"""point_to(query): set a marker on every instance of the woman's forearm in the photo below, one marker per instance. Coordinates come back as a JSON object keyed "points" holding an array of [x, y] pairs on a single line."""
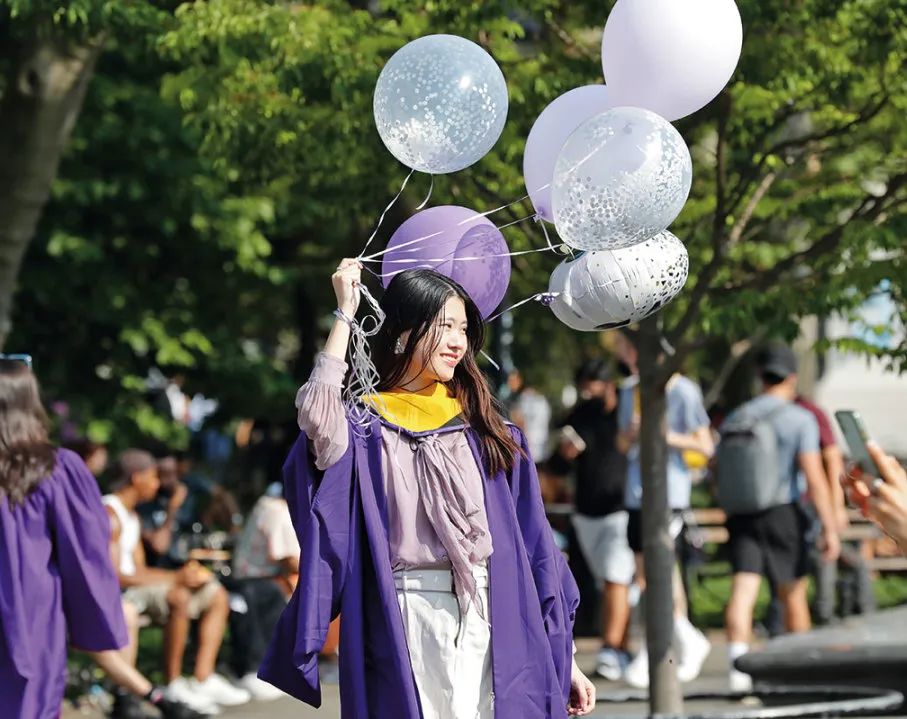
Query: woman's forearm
{"points": [[338, 340]]}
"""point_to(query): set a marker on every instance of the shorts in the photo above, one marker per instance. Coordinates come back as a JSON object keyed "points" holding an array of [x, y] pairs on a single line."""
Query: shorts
{"points": [[603, 542], [151, 600], [634, 529], [772, 543]]}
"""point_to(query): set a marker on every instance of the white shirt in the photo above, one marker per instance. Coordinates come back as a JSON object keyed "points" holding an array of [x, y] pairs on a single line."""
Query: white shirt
{"points": [[130, 532]]}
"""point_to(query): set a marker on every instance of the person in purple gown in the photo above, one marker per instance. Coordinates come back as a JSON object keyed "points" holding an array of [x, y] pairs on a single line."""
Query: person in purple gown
{"points": [[423, 527], [57, 584]]}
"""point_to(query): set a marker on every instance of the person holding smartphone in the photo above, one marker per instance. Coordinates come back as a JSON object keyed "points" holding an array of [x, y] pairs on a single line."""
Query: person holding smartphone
{"points": [[588, 447]]}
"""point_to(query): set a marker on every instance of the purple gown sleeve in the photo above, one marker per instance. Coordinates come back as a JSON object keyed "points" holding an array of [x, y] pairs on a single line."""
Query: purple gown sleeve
{"points": [[81, 530], [557, 590], [321, 508]]}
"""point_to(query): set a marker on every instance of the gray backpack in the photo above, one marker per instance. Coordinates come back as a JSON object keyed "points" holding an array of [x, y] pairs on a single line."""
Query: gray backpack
{"points": [[748, 471]]}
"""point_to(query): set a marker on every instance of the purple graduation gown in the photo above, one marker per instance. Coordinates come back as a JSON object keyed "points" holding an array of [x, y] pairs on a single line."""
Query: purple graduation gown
{"points": [[57, 586], [341, 518]]}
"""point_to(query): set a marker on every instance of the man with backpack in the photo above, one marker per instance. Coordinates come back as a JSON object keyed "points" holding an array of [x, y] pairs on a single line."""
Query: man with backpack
{"points": [[767, 458]]}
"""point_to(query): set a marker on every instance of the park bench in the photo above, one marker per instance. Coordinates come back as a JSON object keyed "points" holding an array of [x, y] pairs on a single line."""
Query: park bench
{"points": [[708, 527]]}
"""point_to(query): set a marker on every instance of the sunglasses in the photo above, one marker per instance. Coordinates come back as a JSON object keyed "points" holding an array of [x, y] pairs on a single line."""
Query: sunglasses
{"points": [[24, 359]]}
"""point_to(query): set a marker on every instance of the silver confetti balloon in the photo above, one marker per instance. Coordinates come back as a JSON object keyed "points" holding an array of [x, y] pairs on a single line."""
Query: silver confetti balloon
{"points": [[440, 104], [621, 178], [613, 288]]}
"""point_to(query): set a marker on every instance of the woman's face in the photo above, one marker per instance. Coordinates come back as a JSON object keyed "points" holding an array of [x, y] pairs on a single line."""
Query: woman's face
{"points": [[444, 345]]}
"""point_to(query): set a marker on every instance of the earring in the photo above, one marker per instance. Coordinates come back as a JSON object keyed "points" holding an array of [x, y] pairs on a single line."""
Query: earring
{"points": [[398, 348]]}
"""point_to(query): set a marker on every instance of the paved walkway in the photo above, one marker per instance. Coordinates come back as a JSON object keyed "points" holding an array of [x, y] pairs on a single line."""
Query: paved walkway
{"points": [[712, 679]]}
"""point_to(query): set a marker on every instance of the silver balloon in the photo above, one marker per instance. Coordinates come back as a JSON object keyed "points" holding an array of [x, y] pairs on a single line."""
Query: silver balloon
{"points": [[621, 178], [440, 104], [612, 288]]}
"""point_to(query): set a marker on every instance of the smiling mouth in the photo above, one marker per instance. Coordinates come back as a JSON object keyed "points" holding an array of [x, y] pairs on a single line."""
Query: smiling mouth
{"points": [[452, 360]]}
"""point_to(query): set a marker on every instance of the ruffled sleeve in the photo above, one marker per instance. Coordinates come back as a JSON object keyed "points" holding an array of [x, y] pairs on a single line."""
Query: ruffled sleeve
{"points": [[81, 530], [320, 411]]}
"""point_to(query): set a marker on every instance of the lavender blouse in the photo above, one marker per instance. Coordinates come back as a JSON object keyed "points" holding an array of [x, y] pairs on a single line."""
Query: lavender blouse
{"points": [[416, 479]]}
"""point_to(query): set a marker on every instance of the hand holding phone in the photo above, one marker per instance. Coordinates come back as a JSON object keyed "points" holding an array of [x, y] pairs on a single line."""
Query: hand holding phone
{"points": [[571, 444], [857, 438]]}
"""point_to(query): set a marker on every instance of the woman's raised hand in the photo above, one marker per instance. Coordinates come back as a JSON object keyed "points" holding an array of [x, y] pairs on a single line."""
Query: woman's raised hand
{"points": [[346, 282]]}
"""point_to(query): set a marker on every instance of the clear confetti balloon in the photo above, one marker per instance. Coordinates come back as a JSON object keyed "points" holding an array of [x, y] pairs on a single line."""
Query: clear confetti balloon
{"points": [[621, 178], [613, 288], [440, 104]]}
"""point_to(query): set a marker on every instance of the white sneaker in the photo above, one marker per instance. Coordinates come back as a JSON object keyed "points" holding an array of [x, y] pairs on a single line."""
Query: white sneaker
{"points": [[612, 663], [694, 653], [637, 673], [179, 691], [740, 682], [218, 690], [259, 689]]}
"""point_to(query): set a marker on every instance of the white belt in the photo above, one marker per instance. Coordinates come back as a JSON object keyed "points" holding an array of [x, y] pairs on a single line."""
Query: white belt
{"points": [[434, 580]]}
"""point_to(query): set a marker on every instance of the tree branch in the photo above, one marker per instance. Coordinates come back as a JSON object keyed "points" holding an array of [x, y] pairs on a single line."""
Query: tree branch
{"points": [[738, 351], [868, 209], [746, 181], [718, 230], [747, 214], [570, 41]]}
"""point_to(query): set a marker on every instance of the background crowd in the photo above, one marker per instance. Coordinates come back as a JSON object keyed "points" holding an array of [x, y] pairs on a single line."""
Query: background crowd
{"points": [[213, 564]]}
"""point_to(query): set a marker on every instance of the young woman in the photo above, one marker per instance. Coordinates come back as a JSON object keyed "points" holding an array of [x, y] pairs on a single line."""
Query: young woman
{"points": [[425, 531], [56, 580]]}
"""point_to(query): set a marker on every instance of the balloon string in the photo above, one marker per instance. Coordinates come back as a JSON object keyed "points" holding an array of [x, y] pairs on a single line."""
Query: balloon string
{"points": [[431, 263], [544, 297], [403, 249], [386, 210], [363, 376], [417, 240], [431, 188], [488, 357]]}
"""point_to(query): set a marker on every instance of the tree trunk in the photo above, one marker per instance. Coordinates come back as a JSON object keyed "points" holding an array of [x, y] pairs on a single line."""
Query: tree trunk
{"points": [[42, 99], [665, 697]]}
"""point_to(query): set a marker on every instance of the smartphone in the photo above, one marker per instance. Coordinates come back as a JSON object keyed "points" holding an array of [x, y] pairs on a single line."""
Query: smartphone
{"points": [[855, 433], [571, 436]]}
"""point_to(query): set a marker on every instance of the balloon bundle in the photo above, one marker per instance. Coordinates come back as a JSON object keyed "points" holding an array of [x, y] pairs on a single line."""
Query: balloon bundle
{"points": [[602, 162]]}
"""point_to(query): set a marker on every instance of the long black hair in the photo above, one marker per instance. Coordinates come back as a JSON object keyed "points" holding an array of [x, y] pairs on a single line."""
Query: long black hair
{"points": [[412, 303], [26, 454]]}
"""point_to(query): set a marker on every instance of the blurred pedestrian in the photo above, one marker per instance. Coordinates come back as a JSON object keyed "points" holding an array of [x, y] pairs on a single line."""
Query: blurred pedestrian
{"points": [[765, 446], [265, 572], [589, 444], [160, 524], [531, 412], [687, 430], [56, 581]]}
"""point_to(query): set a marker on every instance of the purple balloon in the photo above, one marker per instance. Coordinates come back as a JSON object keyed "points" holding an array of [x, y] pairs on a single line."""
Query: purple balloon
{"points": [[460, 244], [548, 135]]}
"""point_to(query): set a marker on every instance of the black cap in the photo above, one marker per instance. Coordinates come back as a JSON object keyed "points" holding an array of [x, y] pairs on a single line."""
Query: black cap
{"points": [[777, 360], [594, 370]]}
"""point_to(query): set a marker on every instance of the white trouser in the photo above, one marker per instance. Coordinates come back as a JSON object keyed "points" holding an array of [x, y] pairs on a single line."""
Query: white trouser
{"points": [[451, 658]]}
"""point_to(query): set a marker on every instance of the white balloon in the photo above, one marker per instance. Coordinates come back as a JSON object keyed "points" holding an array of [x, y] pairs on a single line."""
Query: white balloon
{"points": [[670, 56], [548, 135], [621, 178], [440, 103], [562, 305], [613, 288]]}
